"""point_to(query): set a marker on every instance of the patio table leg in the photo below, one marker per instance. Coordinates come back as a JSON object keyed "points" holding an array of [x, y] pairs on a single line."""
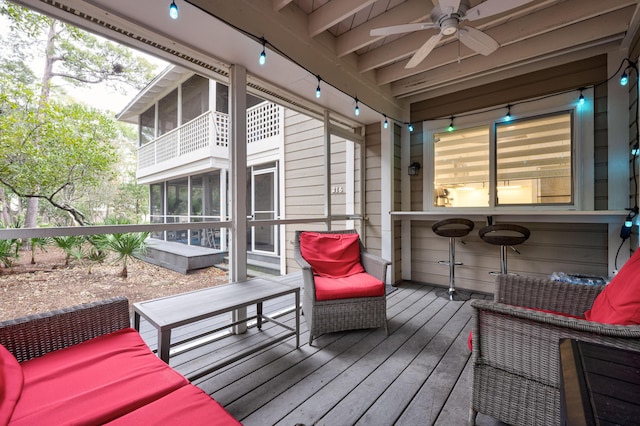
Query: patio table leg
{"points": [[297, 319], [164, 344], [259, 315]]}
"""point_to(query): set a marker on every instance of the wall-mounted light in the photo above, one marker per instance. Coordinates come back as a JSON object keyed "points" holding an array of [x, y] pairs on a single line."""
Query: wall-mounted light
{"points": [[173, 10], [414, 168]]}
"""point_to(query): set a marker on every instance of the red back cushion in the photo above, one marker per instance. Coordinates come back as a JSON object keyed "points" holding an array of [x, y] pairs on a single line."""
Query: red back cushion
{"points": [[11, 381], [331, 255], [619, 302]]}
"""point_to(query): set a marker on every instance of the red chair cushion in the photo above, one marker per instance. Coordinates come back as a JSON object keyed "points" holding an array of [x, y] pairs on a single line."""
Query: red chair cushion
{"points": [[188, 405], [11, 381], [331, 255], [357, 285], [93, 382], [619, 302]]}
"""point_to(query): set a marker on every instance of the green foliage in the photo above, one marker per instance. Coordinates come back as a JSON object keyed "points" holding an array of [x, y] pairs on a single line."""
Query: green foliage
{"points": [[80, 57], [8, 252], [38, 243], [56, 152], [126, 246], [70, 245]]}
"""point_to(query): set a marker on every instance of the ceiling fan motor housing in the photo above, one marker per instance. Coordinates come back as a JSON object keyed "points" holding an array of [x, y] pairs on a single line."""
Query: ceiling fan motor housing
{"points": [[449, 26]]}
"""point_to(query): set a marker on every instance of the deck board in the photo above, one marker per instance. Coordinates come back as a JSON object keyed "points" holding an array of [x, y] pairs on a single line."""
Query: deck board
{"points": [[419, 374]]}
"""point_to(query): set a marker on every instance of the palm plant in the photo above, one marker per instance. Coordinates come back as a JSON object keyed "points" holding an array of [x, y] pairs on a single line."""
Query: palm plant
{"points": [[98, 249], [7, 252], [127, 246], [38, 242], [70, 245]]}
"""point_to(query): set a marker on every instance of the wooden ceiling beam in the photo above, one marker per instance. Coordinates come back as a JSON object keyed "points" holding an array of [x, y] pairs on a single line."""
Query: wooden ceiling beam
{"points": [[359, 37], [333, 13], [563, 15], [574, 37]]}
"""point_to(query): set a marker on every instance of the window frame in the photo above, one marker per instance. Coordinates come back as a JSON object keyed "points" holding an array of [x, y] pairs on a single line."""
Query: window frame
{"points": [[582, 148]]}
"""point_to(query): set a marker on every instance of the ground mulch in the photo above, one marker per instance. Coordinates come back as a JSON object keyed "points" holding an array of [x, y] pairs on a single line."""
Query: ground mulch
{"points": [[27, 289]]}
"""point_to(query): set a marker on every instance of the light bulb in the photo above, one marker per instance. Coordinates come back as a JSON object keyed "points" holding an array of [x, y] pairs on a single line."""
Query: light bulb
{"points": [[263, 57], [357, 110], [410, 127], [624, 79], [386, 123], [173, 10], [318, 92], [581, 99]]}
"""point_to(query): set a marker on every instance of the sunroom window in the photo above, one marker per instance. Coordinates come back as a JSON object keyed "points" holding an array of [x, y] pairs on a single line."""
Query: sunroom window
{"points": [[487, 161]]}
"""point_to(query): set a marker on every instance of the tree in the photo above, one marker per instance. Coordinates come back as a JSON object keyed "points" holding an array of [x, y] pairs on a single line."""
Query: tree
{"points": [[74, 56], [52, 151]]}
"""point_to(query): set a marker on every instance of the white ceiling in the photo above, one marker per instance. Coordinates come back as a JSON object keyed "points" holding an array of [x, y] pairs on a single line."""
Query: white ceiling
{"points": [[330, 38]]}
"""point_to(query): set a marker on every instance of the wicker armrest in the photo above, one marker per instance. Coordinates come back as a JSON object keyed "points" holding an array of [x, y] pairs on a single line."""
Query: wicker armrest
{"points": [[374, 265], [35, 335], [525, 342], [540, 293]]}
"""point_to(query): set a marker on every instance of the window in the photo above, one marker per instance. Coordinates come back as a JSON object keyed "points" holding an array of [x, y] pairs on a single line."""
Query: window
{"points": [[168, 113], [195, 98], [529, 160], [147, 125]]}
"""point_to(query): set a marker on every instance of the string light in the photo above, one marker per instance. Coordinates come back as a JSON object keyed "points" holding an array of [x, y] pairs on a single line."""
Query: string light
{"points": [[451, 128], [173, 10], [263, 54], [581, 98], [624, 78], [318, 88], [508, 116], [386, 122], [357, 110], [410, 127]]}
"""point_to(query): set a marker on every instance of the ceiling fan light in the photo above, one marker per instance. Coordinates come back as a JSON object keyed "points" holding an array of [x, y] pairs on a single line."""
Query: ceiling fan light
{"points": [[449, 26]]}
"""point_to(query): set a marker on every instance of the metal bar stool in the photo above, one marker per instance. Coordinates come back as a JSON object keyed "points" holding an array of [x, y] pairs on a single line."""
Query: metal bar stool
{"points": [[504, 235], [452, 228]]}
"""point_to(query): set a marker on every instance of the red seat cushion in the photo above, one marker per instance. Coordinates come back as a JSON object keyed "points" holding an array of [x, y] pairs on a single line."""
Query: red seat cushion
{"points": [[93, 382], [619, 302], [188, 405], [11, 381], [331, 255], [357, 285]]}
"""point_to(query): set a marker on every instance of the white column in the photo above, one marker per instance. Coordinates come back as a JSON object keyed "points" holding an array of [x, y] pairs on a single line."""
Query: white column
{"points": [[386, 197], [238, 182]]}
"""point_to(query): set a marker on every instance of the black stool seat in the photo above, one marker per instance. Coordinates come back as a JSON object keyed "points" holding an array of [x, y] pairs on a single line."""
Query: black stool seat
{"points": [[504, 235], [452, 228]]}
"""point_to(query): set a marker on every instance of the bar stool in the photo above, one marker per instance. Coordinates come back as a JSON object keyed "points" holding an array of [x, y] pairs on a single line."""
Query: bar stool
{"points": [[504, 235], [452, 228]]}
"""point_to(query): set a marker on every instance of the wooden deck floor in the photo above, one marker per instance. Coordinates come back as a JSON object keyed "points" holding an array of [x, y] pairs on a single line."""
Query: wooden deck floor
{"points": [[417, 375]]}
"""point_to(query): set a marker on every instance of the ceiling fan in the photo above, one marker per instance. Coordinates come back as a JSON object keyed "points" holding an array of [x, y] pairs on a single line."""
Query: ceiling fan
{"points": [[446, 16]]}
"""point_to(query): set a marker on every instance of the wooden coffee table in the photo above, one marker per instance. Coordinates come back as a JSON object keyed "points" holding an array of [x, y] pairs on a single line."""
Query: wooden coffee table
{"points": [[169, 312]]}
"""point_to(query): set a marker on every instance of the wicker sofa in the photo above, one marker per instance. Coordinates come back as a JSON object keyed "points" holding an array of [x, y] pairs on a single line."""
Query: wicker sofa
{"points": [[85, 365], [515, 356], [346, 313]]}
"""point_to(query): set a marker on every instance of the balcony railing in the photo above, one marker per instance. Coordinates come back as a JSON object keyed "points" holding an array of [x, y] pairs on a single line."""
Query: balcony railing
{"points": [[208, 136]]}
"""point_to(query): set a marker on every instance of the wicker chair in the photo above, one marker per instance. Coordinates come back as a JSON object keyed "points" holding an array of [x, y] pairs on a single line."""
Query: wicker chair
{"points": [[327, 316], [515, 357]]}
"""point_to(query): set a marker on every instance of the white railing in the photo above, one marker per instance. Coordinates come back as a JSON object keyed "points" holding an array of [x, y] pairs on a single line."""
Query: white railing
{"points": [[209, 134]]}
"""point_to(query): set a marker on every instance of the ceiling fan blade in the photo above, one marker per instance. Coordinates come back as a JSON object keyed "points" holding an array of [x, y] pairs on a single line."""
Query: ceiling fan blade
{"points": [[449, 6], [424, 51], [478, 41], [400, 29], [492, 7]]}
